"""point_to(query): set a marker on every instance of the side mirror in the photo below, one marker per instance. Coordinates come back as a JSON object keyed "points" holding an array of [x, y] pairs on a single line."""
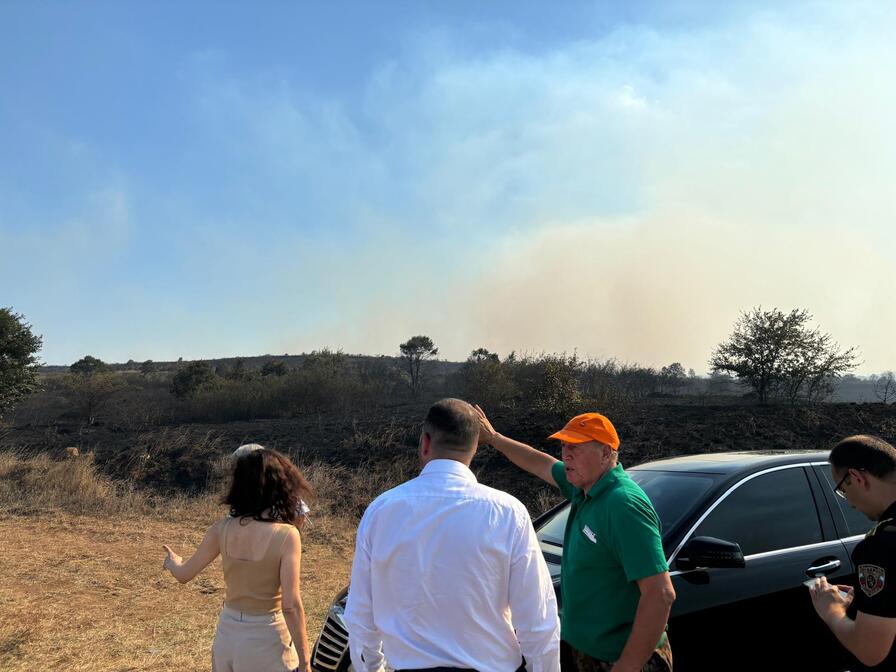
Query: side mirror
{"points": [[710, 552]]}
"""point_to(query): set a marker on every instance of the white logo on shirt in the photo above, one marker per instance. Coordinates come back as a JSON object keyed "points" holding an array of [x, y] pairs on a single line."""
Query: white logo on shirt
{"points": [[588, 533]]}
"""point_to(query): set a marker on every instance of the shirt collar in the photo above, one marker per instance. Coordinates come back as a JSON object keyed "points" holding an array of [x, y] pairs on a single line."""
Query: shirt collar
{"points": [[446, 466], [890, 512], [607, 481]]}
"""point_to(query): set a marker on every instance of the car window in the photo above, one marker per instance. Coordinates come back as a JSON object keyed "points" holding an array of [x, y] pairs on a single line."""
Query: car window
{"points": [[553, 529], [672, 493], [767, 513], [856, 521]]}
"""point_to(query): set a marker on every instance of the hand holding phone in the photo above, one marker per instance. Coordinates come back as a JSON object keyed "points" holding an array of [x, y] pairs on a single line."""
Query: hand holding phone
{"points": [[846, 595]]}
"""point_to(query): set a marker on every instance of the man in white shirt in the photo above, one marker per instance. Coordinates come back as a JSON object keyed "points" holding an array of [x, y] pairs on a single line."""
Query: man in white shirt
{"points": [[448, 573]]}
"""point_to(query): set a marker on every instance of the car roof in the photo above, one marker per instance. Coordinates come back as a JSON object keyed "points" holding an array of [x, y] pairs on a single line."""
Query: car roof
{"points": [[734, 462]]}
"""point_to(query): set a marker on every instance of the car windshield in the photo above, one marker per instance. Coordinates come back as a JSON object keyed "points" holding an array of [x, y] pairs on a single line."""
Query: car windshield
{"points": [[673, 493]]}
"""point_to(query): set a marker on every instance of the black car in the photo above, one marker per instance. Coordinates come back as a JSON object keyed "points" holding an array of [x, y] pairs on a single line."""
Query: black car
{"points": [[742, 532]]}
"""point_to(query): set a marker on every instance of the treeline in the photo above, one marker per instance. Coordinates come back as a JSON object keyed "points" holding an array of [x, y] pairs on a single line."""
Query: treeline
{"points": [[331, 382], [771, 356]]}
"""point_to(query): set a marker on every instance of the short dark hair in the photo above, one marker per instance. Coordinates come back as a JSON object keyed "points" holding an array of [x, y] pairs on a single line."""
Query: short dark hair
{"points": [[266, 486], [453, 425], [868, 453]]}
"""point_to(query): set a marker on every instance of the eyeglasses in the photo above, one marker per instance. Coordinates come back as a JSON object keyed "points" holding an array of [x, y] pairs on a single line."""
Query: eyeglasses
{"points": [[838, 489]]}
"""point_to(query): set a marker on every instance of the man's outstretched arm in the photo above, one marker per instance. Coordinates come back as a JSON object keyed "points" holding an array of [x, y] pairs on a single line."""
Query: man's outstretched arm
{"points": [[525, 457]]}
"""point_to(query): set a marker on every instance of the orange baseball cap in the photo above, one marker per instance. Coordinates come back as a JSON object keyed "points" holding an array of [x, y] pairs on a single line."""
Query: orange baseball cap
{"points": [[589, 427]]}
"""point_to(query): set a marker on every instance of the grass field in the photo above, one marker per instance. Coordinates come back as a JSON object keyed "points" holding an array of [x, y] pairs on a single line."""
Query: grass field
{"points": [[87, 591]]}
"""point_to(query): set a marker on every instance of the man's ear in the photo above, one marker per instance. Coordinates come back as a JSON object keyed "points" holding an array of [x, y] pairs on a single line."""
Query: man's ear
{"points": [[425, 443], [860, 478]]}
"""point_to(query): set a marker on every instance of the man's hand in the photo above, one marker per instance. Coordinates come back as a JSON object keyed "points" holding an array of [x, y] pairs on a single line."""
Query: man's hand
{"points": [[487, 433], [829, 604], [850, 594]]}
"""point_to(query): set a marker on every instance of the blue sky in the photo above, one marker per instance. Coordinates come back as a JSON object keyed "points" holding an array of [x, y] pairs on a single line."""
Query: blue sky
{"points": [[216, 179]]}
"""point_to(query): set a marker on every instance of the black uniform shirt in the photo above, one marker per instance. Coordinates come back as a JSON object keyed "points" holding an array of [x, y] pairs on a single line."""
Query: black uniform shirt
{"points": [[875, 591]]}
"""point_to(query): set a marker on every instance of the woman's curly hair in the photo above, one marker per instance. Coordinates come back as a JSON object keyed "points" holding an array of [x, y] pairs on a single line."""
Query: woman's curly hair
{"points": [[266, 486]]}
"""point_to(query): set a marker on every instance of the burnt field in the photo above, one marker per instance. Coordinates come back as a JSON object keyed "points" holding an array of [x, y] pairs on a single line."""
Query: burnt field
{"points": [[180, 457]]}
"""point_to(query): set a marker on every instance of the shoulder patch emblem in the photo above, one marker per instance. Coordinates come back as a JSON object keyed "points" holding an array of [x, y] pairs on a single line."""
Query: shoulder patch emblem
{"points": [[871, 579]]}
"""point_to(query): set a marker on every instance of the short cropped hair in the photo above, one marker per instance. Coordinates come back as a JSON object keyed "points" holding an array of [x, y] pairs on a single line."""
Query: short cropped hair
{"points": [[453, 425], [868, 453]]}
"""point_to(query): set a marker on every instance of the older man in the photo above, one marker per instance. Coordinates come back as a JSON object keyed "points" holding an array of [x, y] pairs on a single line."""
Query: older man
{"points": [[863, 617], [615, 585], [448, 574]]}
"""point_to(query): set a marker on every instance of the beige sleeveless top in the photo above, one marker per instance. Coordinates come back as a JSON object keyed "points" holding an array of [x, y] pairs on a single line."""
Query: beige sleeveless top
{"points": [[253, 586]]}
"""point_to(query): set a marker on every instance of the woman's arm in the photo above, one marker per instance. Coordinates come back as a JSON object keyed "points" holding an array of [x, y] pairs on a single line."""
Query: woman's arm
{"points": [[208, 550], [293, 609]]}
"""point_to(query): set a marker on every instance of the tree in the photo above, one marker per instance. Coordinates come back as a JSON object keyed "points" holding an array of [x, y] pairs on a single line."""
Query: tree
{"points": [[414, 352], [147, 367], [327, 381], [237, 371], [482, 355], [18, 359], [553, 383], [91, 392], [88, 366], [673, 377], [485, 379], [191, 378], [273, 368], [326, 362], [778, 355], [885, 387]]}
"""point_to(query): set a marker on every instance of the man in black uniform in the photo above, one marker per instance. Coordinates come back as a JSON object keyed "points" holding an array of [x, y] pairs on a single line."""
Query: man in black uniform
{"points": [[864, 469]]}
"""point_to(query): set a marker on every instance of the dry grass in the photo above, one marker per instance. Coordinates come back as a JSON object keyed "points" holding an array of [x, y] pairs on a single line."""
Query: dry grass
{"points": [[81, 579]]}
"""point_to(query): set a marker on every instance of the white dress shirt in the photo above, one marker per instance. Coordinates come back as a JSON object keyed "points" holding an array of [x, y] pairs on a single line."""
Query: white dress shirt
{"points": [[445, 570]]}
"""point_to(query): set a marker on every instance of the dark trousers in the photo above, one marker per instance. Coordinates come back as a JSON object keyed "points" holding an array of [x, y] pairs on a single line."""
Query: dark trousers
{"points": [[572, 660], [521, 668]]}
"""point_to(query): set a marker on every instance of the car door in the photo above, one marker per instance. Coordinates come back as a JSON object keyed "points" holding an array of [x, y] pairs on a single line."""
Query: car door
{"points": [[743, 618], [852, 525]]}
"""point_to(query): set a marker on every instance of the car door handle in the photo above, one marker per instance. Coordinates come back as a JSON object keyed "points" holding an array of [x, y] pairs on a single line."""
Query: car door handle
{"points": [[829, 566]]}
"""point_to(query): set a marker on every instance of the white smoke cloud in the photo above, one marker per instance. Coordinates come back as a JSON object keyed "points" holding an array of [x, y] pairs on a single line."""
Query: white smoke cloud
{"points": [[629, 197]]}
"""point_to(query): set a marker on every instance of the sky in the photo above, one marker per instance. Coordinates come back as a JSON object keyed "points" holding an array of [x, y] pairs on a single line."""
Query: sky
{"points": [[213, 179]]}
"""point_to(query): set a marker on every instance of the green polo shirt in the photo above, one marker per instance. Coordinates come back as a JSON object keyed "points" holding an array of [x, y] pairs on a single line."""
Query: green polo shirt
{"points": [[612, 539]]}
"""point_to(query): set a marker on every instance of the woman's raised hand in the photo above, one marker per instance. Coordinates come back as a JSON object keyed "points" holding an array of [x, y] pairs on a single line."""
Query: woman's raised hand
{"points": [[172, 560]]}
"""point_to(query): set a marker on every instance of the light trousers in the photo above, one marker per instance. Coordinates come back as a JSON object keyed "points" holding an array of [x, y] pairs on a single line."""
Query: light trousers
{"points": [[252, 643]]}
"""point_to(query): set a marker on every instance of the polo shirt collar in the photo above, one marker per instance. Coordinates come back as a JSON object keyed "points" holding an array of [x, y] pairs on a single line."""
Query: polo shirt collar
{"points": [[890, 513], [607, 481], [451, 467]]}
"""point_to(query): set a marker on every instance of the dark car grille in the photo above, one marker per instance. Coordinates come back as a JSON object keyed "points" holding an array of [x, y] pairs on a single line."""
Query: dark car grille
{"points": [[331, 645]]}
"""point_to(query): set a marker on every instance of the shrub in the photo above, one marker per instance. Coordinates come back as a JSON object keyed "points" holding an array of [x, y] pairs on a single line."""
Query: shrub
{"points": [[191, 378]]}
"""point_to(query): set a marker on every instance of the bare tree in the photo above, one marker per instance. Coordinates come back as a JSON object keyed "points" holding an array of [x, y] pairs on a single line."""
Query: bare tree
{"points": [[414, 352], [885, 387], [91, 392]]}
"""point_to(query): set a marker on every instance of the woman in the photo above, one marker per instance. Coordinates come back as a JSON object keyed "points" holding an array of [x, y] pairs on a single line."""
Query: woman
{"points": [[262, 623]]}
